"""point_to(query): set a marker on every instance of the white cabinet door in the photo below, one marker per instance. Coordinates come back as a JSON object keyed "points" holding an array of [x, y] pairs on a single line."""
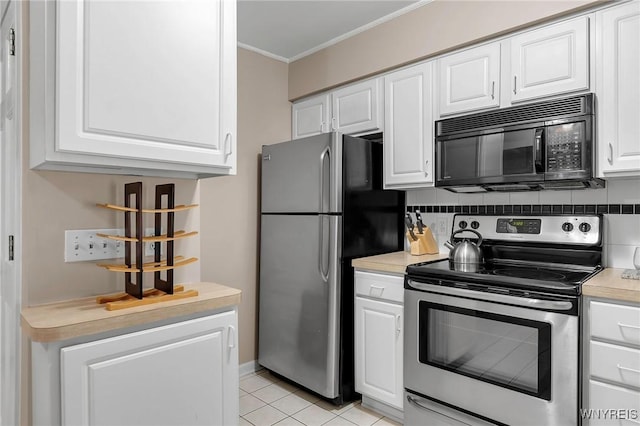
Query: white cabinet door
{"points": [[357, 108], [310, 117], [612, 405], [378, 350], [353, 109], [618, 90], [183, 373], [149, 85], [469, 80], [408, 128], [551, 60]]}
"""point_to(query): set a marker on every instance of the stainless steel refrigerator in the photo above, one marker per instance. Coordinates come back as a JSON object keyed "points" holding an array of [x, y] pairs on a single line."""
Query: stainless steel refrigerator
{"points": [[322, 205]]}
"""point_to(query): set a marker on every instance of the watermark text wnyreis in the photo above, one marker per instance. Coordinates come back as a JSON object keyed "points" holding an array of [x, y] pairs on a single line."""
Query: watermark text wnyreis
{"points": [[609, 414]]}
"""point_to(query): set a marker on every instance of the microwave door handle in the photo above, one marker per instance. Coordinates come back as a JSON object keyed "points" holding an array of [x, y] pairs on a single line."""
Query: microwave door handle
{"points": [[538, 145]]}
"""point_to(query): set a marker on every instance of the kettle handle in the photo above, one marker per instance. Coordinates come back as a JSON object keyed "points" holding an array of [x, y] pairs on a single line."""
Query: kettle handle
{"points": [[469, 230]]}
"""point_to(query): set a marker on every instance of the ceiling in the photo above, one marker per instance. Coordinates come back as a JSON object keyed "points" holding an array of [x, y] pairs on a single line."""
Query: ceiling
{"points": [[289, 30]]}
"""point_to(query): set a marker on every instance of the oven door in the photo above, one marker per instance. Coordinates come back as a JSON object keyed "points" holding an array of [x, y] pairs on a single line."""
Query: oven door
{"points": [[478, 352]]}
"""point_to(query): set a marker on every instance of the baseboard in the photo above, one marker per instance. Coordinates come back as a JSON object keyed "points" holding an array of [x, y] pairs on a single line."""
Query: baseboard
{"points": [[382, 408], [249, 367]]}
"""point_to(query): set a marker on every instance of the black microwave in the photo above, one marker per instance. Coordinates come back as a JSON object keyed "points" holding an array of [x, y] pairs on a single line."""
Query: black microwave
{"points": [[543, 145]]}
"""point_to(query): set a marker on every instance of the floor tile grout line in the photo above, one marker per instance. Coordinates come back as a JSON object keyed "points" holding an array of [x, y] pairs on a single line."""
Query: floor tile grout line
{"points": [[316, 402]]}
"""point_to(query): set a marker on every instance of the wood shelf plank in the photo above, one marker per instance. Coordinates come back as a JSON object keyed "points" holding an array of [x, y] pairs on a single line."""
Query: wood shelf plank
{"points": [[178, 208], [154, 268], [151, 238]]}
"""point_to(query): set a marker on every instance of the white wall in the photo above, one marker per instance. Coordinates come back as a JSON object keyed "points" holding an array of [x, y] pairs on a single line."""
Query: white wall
{"points": [[621, 231]]}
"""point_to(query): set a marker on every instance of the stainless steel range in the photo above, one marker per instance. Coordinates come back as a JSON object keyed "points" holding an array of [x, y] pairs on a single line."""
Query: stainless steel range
{"points": [[496, 342]]}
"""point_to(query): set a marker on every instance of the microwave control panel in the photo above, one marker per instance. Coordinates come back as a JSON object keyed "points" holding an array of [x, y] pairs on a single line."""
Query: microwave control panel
{"points": [[564, 147]]}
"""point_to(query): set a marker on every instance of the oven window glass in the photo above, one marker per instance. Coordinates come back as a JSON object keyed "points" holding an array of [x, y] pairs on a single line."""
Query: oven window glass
{"points": [[492, 155], [510, 352]]}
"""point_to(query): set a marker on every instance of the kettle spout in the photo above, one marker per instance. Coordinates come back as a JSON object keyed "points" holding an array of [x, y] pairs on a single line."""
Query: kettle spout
{"points": [[448, 245]]}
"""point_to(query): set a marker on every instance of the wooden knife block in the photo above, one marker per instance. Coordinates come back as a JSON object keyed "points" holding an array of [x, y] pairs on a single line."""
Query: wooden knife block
{"points": [[425, 244]]}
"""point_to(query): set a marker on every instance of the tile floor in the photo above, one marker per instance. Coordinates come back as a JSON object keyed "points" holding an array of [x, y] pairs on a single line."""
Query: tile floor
{"points": [[266, 400]]}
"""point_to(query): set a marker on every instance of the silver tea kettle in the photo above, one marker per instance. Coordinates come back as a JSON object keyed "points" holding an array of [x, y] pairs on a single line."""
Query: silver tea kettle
{"points": [[466, 255]]}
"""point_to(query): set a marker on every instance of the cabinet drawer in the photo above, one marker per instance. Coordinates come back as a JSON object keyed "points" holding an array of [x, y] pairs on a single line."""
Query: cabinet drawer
{"points": [[617, 406], [615, 322], [380, 286], [615, 363]]}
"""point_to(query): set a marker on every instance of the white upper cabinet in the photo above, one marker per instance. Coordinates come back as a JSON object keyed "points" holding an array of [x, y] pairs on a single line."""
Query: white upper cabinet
{"points": [[408, 134], [470, 79], [142, 87], [351, 110], [618, 90], [357, 108], [550, 60], [310, 117]]}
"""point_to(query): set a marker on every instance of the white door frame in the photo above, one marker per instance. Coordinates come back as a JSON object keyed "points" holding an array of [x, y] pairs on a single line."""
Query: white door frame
{"points": [[10, 211]]}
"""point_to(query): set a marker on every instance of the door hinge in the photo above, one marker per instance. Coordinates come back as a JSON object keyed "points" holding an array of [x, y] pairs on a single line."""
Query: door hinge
{"points": [[10, 247], [12, 42]]}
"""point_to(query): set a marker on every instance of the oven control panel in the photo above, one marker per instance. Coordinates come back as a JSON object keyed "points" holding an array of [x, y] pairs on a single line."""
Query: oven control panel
{"points": [[561, 229], [518, 226]]}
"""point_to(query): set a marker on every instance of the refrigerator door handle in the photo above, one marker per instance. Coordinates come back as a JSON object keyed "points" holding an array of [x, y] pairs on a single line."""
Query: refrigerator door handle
{"points": [[323, 255], [325, 156]]}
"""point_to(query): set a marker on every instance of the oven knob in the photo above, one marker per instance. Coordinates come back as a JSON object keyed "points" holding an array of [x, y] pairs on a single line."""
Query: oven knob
{"points": [[585, 227], [567, 227], [475, 224], [462, 224]]}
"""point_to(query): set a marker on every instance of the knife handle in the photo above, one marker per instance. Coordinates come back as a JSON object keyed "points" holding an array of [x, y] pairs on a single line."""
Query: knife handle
{"points": [[419, 222], [409, 223]]}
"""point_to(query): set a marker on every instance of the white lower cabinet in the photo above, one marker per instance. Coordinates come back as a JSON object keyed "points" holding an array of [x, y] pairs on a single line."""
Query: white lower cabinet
{"points": [[185, 373], [612, 364], [379, 337]]}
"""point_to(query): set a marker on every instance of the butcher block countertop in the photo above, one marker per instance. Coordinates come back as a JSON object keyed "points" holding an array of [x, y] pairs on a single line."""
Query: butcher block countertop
{"points": [[608, 283], [83, 317], [395, 262]]}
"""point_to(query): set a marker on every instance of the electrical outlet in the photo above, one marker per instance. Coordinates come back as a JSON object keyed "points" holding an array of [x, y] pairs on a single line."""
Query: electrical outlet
{"points": [[442, 225], [85, 245], [149, 247]]}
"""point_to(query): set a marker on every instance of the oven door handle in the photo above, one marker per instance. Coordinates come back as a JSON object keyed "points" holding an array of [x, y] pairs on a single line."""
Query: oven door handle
{"points": [[555, 305], [416, 402]]}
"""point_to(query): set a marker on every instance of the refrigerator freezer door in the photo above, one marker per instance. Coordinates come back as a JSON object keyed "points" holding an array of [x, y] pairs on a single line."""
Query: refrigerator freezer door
{"points": [[299, 300], [303, 175]]}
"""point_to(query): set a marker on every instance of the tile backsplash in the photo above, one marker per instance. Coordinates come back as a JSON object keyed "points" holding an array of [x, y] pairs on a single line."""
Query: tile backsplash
{"points": [[619, 203]]}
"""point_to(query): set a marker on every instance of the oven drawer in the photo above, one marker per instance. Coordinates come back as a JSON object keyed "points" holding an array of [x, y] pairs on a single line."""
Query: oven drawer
{"points": [[420, 411], [611, 405], [380, 286], [615, 363], [618, 323]]}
